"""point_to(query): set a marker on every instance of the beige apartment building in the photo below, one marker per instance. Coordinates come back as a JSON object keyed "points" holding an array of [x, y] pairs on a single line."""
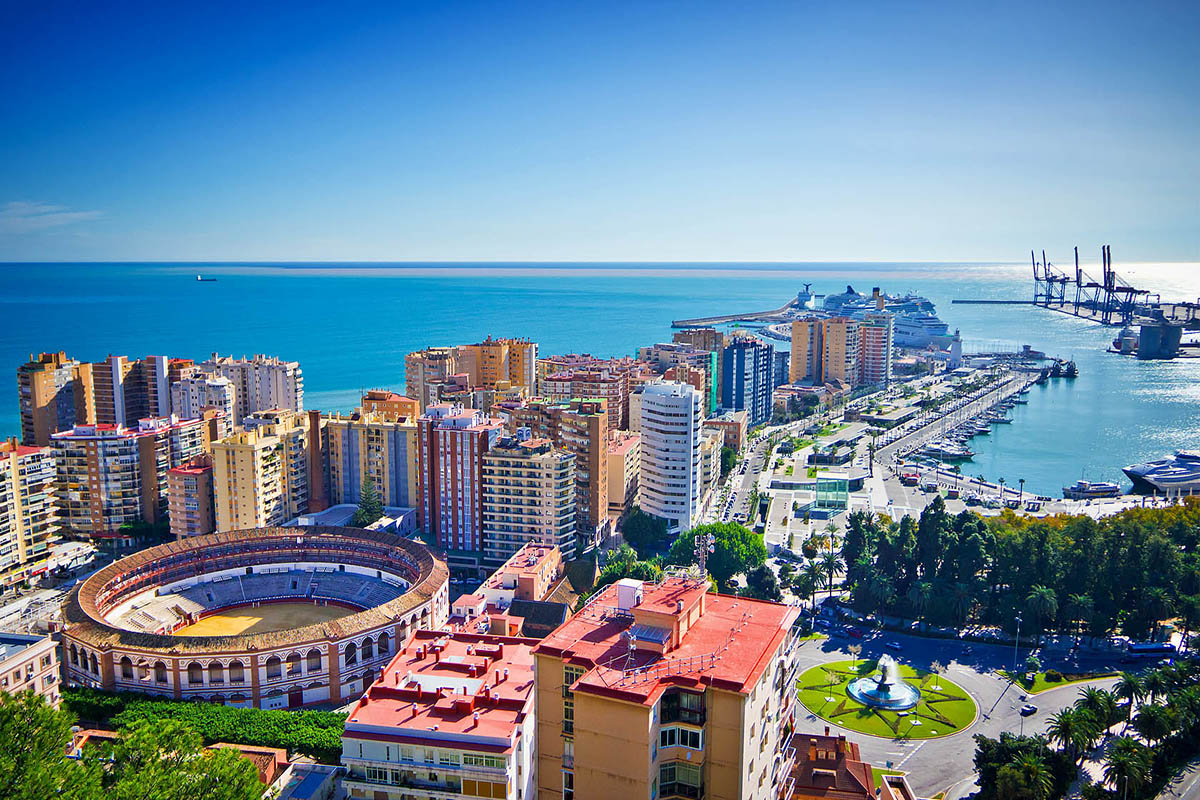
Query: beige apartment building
{"points": [[579, 426], [190, 498], [372, 446], [528, 496], [425, 369], [825, 351], [28, 517], [260, 475], [29, 662], [494, 361], [390, 403], [54, 393], [260, 383], [109, 475], [665, 690], [624, 465]]}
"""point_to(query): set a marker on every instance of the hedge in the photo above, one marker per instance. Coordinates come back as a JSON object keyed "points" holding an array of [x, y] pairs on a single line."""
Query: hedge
{"points": [[317, 734]]}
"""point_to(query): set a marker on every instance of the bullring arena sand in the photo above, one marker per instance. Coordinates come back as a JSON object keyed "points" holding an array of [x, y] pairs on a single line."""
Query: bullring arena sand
{"points": [[264, 618]]}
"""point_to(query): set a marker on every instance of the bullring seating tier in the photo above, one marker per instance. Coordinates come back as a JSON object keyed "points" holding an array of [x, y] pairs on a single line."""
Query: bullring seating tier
{"points": [[162, 613]]}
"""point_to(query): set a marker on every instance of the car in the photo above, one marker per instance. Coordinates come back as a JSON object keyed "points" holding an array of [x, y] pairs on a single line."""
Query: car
{"points": [[854, 633], [894, 645], [1028, 710]]}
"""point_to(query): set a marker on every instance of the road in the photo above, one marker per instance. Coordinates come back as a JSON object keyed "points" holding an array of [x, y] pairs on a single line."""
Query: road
{"points": [[937, 764]]}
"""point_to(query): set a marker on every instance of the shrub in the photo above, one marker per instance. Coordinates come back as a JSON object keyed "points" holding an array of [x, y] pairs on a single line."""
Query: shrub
{"points": [[314, 733], [1053, 676]]}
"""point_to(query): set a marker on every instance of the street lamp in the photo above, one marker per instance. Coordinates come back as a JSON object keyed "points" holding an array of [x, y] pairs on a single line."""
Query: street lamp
{"points": [[1016, 642], [1021, 495]]}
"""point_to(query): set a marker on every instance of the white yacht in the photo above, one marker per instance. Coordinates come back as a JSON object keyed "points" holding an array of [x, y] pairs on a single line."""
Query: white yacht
{"points": [[1178, 475]]}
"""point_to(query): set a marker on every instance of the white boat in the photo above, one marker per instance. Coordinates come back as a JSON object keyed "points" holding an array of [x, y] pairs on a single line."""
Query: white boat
{"points": [[1086, 490], [1178, 475]]}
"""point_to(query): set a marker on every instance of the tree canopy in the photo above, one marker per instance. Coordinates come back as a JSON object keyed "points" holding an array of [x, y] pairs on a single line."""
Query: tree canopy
{"points": [[736, 550], [1128, 572], [159, 759], [370, 506], [645, 533]]}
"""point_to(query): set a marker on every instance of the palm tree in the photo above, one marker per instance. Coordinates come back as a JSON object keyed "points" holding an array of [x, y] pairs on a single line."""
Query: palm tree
{"points": [[1042, 603], [1155, 684], [832, 565], [1036, 774], [1131, 689], [961, 601], [1073, 729], [1155, 722], [1081, 609], [812, 572], [920, 595], [1127, 764]]}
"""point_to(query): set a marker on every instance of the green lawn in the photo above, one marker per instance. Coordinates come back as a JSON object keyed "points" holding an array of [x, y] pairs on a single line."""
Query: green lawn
{"points": [[878, 772], [942, 710], [1040, 684]]}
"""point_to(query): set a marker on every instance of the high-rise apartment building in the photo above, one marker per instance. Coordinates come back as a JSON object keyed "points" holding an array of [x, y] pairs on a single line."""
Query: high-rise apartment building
{"points": [[27, 513], [190, 498], [424, 369], [674, 693], [875, 334], [260, 383], [54, 393], [624, 466], [452, 715], [709, 339], [129, 391], [29, 662], [663, 356], [191, 395], [260, 475], [528, 496], [579, 426], [109, 476], [451, 443], [825, 351], [496, 361], [841, 350], [670, 481], [749, 364], [385, 402], [372, 446]]}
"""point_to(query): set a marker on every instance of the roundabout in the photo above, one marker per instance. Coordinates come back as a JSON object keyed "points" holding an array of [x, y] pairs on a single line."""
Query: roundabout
{"points": [[935, 706]]}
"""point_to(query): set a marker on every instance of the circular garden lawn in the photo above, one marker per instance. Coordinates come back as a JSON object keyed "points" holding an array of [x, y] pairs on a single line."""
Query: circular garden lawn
{"points": [[944, 708]]}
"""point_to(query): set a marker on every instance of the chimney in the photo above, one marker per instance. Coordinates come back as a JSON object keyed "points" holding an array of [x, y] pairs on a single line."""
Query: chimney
{"points": [[414, 711], [475, 720], [497, 676], [506, 673]]}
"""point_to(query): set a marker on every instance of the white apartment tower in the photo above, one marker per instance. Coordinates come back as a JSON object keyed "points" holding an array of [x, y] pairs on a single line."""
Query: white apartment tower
{"points": [[671, 417], [191, 395], [260, 383]]}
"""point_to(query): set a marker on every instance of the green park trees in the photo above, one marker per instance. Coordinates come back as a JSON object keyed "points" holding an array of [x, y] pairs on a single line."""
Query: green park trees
{"points": [[735, 551], [1126, 573], [160, 759]]}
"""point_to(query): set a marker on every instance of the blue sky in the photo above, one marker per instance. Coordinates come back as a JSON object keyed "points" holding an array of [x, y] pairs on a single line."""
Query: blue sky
{"points": [[603, 131]]}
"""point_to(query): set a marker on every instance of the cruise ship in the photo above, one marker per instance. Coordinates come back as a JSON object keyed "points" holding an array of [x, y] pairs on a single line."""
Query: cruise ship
{"points": [[1178, 475], [918, 329]]}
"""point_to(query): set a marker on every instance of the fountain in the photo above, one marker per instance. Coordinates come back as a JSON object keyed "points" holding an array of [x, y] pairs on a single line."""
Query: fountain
{"points": [[885, 689]]}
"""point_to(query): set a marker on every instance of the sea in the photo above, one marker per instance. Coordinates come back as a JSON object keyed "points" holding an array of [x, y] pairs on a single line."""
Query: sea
{"points": [[350, 325]]}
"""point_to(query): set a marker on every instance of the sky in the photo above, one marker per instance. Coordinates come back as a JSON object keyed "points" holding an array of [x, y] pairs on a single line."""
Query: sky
{"points": [[606, 131]]}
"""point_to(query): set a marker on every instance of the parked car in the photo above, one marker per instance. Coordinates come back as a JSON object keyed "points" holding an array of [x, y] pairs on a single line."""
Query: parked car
{"points": [[894, 645], [1028, 710], [854, 633]]}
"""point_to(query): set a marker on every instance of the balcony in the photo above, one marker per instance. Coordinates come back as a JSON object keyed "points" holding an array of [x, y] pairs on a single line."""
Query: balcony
{"points": [[673, 790]]}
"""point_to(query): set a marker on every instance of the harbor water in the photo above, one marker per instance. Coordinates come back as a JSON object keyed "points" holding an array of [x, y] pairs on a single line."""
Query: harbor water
{"points": [[350, 325]]}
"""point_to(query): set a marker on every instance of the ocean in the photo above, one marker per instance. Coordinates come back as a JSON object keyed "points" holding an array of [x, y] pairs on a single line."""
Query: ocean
{"points": [[350, 325]]}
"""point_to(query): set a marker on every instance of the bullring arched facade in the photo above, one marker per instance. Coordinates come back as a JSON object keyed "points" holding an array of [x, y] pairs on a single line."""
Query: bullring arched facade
{"points": [[330, 662]]}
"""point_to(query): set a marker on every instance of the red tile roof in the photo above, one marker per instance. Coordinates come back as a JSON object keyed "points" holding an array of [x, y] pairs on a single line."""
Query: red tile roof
{"points": [[729, 645]]}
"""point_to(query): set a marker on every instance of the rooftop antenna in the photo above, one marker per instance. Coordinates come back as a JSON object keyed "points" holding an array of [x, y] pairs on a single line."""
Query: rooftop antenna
{"points": [[703, 546]]}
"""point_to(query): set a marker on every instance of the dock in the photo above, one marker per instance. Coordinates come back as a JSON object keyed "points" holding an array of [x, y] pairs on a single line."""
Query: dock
{"points": [[704, 322]]}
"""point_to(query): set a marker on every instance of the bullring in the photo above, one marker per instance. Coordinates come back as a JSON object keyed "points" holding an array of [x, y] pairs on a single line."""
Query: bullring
{"points": [[127, 626]]}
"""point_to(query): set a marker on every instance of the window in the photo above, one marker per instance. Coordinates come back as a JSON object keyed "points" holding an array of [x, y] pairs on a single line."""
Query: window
{"points": [[568, 758], [447, 758], [680, 737], [195, 673], [406, 752], [351, 654], [680, 778], [274, 668], [377, 775], [568, 785], [314, 660]]}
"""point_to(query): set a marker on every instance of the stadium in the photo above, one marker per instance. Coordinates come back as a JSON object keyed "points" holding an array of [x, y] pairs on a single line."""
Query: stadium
{"points": [[267, 617]]}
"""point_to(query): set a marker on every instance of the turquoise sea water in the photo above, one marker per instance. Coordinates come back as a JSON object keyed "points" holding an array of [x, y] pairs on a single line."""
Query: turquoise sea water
{"points": [[350, 325]]}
